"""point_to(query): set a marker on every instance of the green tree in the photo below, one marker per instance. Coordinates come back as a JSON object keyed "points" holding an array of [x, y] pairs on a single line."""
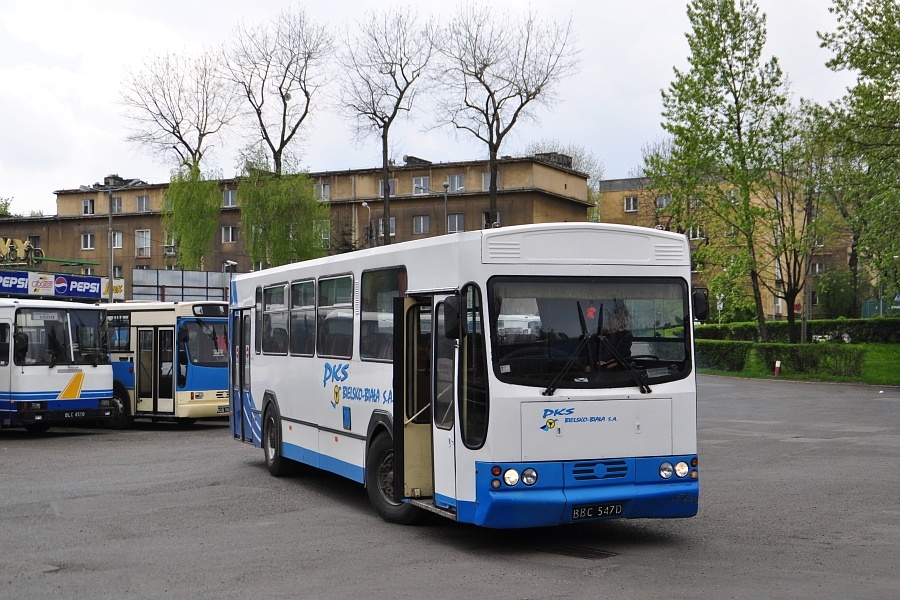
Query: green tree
{"points": [[190, 214], [836, 291], [282, 220], [722, 116], [866, 123], [5, 204]]}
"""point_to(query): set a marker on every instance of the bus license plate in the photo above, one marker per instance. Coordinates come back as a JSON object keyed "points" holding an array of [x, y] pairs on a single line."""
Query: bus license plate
{"points": [[596, 511], [222, 409], [77, 414]]}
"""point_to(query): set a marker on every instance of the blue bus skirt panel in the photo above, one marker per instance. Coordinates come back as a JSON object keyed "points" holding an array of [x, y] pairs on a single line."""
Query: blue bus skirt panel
{"points": [[566, 492]]}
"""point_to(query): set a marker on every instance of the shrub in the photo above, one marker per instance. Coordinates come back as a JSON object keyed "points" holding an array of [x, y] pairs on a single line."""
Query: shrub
{"points": [[722, 355], [840, 360]]}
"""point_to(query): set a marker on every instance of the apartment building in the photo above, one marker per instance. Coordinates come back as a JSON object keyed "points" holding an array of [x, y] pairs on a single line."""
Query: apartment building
{"points": [[117, 221]]}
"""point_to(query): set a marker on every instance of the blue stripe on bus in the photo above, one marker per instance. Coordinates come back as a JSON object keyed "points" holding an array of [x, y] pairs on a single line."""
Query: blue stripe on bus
{"points": [[561, 486], [47, 395], [322, 461]]}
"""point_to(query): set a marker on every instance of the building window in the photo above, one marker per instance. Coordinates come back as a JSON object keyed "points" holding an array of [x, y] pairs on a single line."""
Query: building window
{"points": [[815, 297], [393, 227], [142, 267], [421, 186], [116, 239], [324, 228], [87, 241], [485, 217], [420, 224], [323, 191], [116, 205], [87, 271], [142, 243], [229, 198], [35, 241], [817, 268], [457, 182], [169, 248], [630, 203], [117, 272], [143, 204], [486, 181], [455, 223], [662, 202], [87, 206], [696, 233], [392, 187], [172, 268], [229, 234]]}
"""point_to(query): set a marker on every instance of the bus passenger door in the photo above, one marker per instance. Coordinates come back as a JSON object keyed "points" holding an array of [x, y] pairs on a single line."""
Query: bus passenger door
{"points": [[6, 343], [412, 400], [239, 392], [154, 370], [443, 361]]}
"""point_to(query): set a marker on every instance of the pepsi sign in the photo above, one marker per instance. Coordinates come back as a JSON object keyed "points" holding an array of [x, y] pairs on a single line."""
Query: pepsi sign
{"points": [[75, 286], [14, 282]]}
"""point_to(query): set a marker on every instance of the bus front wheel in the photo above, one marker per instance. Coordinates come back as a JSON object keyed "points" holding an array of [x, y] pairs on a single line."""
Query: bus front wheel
{"points": [[380, 484], [271, 439]]}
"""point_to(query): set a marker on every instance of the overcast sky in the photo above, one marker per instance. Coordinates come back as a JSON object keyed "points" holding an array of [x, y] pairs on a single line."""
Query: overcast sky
{"points": [[62, 64]]}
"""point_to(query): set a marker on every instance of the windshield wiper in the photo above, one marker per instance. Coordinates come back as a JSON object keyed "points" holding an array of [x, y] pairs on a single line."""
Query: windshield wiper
{"points": [[642, 385], [551, 388]]}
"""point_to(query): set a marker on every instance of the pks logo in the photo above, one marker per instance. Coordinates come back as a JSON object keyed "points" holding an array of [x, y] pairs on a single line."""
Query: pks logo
{"points": [[550, 413], [61, 285]]}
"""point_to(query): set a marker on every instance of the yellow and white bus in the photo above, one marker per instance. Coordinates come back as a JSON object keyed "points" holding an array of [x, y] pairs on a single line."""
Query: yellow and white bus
{"points": [[170, 360], [517, 377]]}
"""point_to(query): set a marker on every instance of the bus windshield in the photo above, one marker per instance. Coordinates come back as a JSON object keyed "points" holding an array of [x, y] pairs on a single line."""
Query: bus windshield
{"points": [[52, 336], [596, 332], [207, 342]]}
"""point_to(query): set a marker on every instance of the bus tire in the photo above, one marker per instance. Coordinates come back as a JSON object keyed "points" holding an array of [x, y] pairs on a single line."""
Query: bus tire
{"points": [[271, 442], [123, 420], [37, 427], [380, 484]]}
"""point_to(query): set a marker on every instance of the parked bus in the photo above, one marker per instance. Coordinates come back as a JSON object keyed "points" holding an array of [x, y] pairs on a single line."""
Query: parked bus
{"points": [[54, 364], [515, 377], [170, 360]]}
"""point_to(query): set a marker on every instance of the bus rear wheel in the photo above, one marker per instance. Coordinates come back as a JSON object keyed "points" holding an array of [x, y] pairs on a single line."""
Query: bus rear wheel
{"points": [[380, 484], [271, 440], [123, 420]]}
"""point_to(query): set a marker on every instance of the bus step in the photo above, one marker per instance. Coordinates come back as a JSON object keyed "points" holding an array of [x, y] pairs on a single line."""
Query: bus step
{"points": [[444, 512]]}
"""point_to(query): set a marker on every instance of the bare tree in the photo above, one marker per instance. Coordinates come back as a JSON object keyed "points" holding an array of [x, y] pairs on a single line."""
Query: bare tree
{"points": [[384, 58], [497, 68], [179, 104], [278, 70]]}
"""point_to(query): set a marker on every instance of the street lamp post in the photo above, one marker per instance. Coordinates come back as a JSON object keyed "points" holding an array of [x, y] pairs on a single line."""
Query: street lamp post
{"points": [[110, 236], [366, 206]]}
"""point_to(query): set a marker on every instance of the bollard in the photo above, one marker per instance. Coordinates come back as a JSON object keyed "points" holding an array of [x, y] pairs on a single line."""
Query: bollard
{"points": [[777, 368]]}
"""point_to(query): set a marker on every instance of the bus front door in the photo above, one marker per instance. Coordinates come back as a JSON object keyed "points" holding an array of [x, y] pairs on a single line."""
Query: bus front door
{"points": [[239, 392], [155, 370], [424, 406], [443, 369]]}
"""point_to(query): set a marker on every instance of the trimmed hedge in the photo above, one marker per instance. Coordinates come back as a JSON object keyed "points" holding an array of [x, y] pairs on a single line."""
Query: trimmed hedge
{"points": [[840, 360], [878, 330], [722, 355], [824, 359]]}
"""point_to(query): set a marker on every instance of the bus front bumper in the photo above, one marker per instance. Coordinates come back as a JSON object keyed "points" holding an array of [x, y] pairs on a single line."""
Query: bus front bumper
{"points": [[576, 491]]}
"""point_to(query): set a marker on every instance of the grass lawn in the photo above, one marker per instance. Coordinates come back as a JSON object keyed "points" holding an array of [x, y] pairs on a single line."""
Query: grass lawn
{"points": [[881, 366]]}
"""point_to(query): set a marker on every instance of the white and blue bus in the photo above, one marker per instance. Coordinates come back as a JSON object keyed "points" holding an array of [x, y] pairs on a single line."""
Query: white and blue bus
{"points": [[54, 364], [170, 360], [515, 377]]}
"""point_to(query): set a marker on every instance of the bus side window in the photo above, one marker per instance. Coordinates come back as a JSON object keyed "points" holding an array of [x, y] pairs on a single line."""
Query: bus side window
{"points": [[20, 347], [4, 344]]}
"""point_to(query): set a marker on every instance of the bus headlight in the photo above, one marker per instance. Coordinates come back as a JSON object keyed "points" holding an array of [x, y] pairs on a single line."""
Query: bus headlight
{"points": [[681, 469], [665, 470], [529, 476], [511, 477]]}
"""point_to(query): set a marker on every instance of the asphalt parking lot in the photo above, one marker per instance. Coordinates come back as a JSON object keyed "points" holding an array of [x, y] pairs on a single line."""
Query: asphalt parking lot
{"points": [[799, 486]]}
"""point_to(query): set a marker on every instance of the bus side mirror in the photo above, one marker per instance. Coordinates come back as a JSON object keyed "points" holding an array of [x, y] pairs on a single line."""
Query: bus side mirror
{"points": [[700, 300], [183, 335], [454, 327]]}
